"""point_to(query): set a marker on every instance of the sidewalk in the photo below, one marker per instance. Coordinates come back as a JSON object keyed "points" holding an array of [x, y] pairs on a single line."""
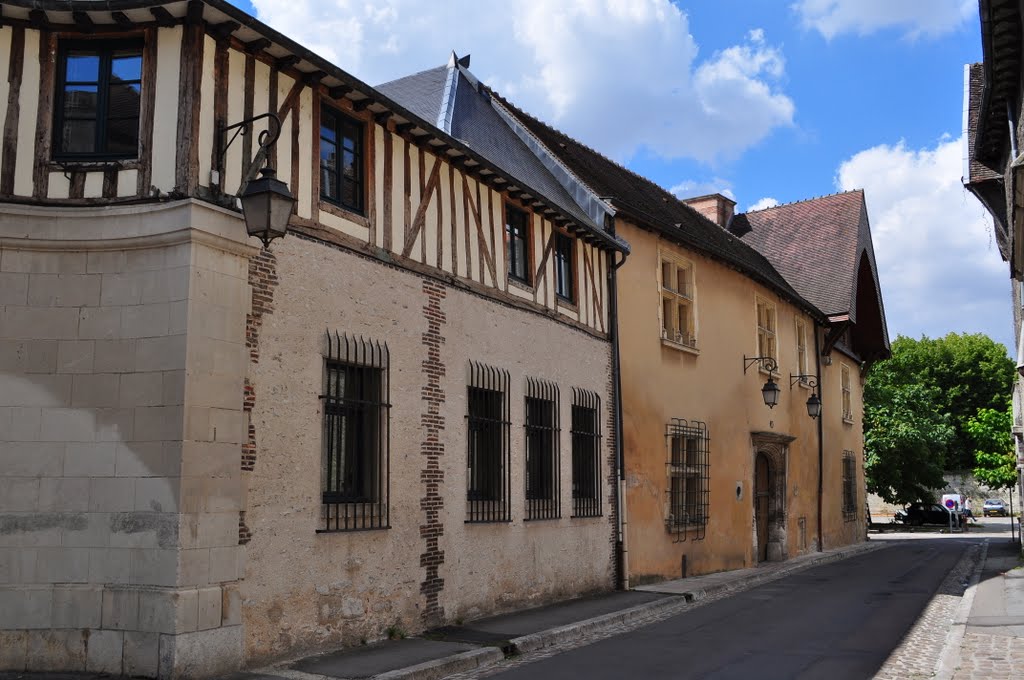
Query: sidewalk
{"points": [[457, 649], [986, 640]]}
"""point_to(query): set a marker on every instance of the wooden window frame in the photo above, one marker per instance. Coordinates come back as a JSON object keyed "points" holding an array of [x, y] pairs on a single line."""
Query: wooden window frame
{"points": [[569, 258], [672, 332], [765, 332], [104, 47], [802, 364], [341, 117], [527, 266], [846, 393]]}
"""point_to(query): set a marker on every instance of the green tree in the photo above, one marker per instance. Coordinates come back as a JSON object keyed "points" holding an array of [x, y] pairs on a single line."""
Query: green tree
{"points": [[967, 372], [995, 460], [904, 439]]}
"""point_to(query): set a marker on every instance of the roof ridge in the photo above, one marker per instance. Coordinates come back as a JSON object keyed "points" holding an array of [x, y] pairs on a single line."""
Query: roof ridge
{"points": [[804, 200], [410, 75]]}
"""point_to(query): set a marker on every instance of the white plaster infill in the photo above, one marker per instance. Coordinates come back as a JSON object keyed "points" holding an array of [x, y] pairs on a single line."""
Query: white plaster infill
{"points": [[144, 225]]}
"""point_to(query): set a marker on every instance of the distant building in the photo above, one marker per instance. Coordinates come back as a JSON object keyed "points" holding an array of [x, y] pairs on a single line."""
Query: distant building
{"points": [[993, 163]]}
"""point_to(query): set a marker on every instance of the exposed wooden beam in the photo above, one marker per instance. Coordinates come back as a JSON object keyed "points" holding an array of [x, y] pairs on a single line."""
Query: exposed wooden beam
{"points": [[83, 21], [402, 128], [362, 104], [224, 29], [314, 77], [382, 117], [121, 19], [257, 45], [194, 14], [440, 149], [38, 19], [287, 61], [339, 91], [162, 16]]}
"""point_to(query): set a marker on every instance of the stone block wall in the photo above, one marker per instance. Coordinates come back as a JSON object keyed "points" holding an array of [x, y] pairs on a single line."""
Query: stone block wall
{"points": [[121, 364]]}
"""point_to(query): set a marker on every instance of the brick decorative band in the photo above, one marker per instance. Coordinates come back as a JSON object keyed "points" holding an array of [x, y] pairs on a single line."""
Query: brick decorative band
{"points": [[432, 422]]}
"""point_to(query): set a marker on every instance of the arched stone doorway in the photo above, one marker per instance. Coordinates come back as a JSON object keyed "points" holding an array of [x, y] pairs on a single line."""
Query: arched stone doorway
{"points": [[770, 459]]}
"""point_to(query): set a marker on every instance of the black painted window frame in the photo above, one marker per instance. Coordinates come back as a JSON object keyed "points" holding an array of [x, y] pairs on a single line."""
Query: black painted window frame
{"points": [[105, 50], [565, 271], [517, 231], [345, 128]]}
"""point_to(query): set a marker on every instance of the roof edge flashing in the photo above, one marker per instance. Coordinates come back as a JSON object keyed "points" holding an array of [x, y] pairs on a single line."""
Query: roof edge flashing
{"points": [[451, 83], [588, 200]]}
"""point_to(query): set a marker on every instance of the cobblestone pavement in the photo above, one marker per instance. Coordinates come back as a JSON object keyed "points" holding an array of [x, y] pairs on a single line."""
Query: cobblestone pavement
{"points": [[918, 654], [991, 657]]}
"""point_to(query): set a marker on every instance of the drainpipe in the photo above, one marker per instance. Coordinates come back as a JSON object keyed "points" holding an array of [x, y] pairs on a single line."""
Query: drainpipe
{"points": [[621, 554], [821, 445]]}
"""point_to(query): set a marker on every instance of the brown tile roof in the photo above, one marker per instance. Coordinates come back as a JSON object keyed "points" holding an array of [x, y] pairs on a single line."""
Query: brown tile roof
{"points": [[818, 245], [978, 171], [653, 207]]}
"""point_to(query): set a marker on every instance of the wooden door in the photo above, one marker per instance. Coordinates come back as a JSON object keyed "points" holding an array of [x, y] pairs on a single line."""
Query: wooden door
{"points": [[762, 503]]}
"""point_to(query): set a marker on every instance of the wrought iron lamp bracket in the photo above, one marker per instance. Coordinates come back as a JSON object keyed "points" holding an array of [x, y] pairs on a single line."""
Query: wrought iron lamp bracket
{"points": [[807, 380], [767, 363], [266, 139]]}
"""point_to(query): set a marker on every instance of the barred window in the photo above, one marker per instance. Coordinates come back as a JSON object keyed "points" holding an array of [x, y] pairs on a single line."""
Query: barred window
{"points": [[688, 477], [586, 453], [849, 487], [543, 497], [488, 483], [356, 434]]}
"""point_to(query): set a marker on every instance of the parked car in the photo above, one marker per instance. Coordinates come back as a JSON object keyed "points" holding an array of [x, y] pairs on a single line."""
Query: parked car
{"points": [[994, 507], [917, 514]]}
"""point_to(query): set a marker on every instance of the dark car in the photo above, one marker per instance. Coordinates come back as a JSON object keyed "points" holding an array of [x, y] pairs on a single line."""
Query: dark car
{"points": [[994, 507], [917, 514]]}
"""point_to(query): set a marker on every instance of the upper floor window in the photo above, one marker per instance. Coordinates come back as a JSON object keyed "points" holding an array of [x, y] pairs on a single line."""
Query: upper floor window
{"points": [[564, 276], [767, 345], [801, 350], [847, 390], [99, 88], [342, 169], [677, 302], [517, 228]]}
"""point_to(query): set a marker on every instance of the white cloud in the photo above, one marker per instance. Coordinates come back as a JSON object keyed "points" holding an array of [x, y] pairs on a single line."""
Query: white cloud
{"points": [[916, 18], [766, 202], [938, 263], [690, 188], [621, 76]]}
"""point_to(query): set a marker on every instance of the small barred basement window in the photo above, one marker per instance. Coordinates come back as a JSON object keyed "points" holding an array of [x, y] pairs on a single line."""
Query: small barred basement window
{"points": [[356, 434], [688, 477], [849, 486], [488, 478]]}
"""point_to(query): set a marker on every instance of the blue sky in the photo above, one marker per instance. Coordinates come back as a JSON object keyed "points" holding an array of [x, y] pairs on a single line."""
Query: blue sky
{"points": [[765, 101]]}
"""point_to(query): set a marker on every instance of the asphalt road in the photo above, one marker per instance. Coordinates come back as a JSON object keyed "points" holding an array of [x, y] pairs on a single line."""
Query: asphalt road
{"points": [[837, 621]]}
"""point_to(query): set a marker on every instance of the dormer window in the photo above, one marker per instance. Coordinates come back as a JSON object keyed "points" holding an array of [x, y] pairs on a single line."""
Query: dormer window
{"points": [[99, 90]]}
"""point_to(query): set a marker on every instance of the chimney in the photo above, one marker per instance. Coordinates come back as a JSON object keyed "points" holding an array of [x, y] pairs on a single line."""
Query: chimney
{"points": [[716, 207]]}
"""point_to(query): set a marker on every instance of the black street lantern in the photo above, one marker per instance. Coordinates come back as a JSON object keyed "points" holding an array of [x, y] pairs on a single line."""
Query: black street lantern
{"points": [[770, 392], [267, 205], [814, 405]]}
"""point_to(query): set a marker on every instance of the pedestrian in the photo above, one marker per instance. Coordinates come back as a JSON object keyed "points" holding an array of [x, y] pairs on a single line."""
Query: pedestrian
{"points": [[967, 511]]}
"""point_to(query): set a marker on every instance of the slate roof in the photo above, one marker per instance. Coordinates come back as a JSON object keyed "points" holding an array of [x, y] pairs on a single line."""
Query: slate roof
{"points": [[476, 123], [652, 206], [975, 89]]}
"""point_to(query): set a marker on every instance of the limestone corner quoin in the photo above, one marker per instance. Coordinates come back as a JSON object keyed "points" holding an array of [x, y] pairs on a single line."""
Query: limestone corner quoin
{"points": [[403, 414]]}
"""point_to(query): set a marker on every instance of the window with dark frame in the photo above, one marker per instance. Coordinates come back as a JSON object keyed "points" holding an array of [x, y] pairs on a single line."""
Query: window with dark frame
{"points": [[356, 483], [341, 160], [586, 453], [517, 226], [543, 487], [849, 486], [99, 95], [488, 479], [688, 477], [564, 275]]}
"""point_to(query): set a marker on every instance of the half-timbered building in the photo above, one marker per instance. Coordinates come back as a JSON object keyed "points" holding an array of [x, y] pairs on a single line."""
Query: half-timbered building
{"points": [[214, 454]]}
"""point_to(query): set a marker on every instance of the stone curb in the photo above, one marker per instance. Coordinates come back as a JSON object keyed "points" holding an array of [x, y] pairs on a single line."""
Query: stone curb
{"points": [[949, 658], [441, 668]]}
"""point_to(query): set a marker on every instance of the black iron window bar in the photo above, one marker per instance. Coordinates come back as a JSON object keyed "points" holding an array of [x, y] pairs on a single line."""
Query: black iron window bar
{"points": [[543, 468], [586, 453], [689, 480], [357, 452], [488, 478], [849, 486]]}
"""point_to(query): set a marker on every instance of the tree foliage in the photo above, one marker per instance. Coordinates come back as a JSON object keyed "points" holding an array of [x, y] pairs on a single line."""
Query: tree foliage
{"points": [[962, 372], [904, 438], [995, 459]]}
